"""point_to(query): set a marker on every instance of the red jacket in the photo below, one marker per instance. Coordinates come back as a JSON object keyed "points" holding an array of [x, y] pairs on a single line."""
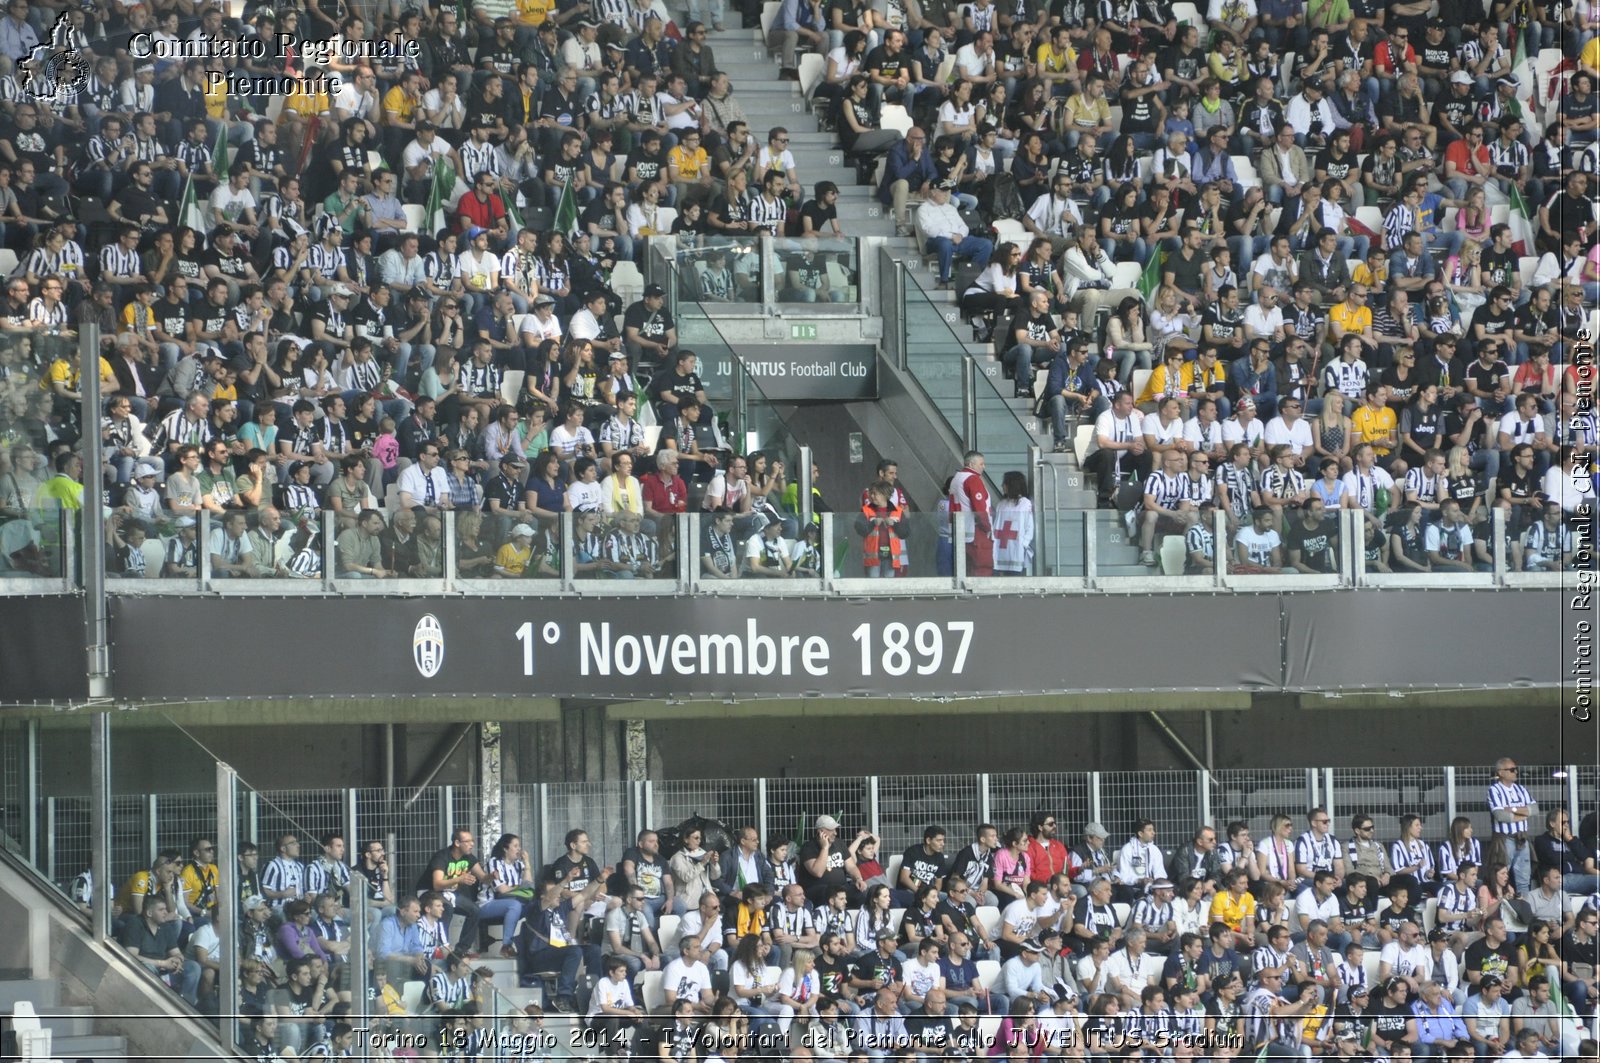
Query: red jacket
{"points": [[1047, 858]]}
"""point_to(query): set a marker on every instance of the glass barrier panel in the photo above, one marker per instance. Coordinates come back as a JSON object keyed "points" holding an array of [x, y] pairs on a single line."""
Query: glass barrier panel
{"points": [[36, 379], [720, 270], [817, 270], [623, 547], [916, 545], [507, 546]]}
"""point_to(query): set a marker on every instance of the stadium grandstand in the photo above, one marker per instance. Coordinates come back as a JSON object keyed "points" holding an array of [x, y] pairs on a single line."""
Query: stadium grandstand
{"points": [[871, 531]]}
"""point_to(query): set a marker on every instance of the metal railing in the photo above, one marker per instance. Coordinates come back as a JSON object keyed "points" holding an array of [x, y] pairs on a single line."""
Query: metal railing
{"points": [[1079, 551], [415, 825]]}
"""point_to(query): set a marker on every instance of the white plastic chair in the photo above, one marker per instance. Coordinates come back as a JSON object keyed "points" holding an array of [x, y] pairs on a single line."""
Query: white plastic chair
{"points": [[988, 917], [895, 117], [667, 933], [988, 971], [511, 386], [411, 996], [813, 68], [33, 1040], [651, 994]]}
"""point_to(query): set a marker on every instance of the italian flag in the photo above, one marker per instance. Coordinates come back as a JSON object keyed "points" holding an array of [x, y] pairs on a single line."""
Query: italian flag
{"points": [[566, 220], [1521, 222]]}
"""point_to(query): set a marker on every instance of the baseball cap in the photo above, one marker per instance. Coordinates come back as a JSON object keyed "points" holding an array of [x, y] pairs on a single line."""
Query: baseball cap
{"points": [[1437, 23], [1096, 830], [146, 468], [1359, 991], [1032, 945], [654, 291], [341, 289], [544, 299], [826, 823], [521, 529], [1509, 80], [184, 522], [1438, 933], [619, 356], [475, 232], [1246, 401], [509, 458], [255, 900], [1461, 77]]}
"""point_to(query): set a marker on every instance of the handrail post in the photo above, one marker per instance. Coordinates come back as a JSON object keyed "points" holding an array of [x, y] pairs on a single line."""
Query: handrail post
{"points": [[803, 482], [1497, 526], [91, 526], [100, 823], [1036, 463], [969, 403], [227, 920]]}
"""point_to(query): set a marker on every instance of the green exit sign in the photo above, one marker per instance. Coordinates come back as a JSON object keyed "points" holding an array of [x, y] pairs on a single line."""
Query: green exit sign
{"points": [[802, 332]]}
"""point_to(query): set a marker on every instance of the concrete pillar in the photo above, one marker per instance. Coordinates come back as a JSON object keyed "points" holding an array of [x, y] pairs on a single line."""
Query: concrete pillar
{"points": [[637, 751], [489, 780]]}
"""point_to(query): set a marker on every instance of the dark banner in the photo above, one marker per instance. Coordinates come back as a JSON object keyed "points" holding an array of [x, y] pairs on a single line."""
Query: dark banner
{"points": [[42, 650], [651, 648], [799, 372], [1423, 639]]}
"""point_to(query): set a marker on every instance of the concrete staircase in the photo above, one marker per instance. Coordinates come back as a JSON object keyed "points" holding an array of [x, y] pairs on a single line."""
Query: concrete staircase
{"points": [[72, 1027]]}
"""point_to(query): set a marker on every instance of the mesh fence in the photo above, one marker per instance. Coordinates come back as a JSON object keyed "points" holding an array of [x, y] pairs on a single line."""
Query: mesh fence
{"points": [[413, 830], [1386, 794], [1014, 798], [182, 818], [793, 804], [13, 784], [731, 800], [1255, 795], [1546, 783], [600, 808], [1170, 798]]}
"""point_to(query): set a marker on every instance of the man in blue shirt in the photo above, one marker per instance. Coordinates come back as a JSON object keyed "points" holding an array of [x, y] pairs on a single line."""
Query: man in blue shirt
{"points": [[398, 945], [549, 940], [1071, 385]]}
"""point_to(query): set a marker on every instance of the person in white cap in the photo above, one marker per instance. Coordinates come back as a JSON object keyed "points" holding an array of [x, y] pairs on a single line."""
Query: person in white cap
{"points": [[821, 862], [1091, 857]]}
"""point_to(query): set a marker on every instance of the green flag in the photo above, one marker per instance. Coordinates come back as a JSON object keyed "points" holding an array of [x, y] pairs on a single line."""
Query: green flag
{"points": [[566, 212], [513, 215], [188, 209], [219, 153], [1150, 279], [444, 182]]}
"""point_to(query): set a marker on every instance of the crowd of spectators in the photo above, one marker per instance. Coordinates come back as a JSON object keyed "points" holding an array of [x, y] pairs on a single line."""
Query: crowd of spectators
{"points": [[1301, 943], [293, 317]]}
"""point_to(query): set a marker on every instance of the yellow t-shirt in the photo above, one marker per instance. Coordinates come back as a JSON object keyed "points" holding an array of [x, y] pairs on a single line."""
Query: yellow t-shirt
{"points": [[1357, 320], [1054, 62], [216, 101], [398, 103], [513, 560], [534, 12], [1590, 57], [136, 318], [141, 885], [306, 104], [1209, 380], [1224, 909], [64, 372], [689, 166], [1371, 427], [1364, 274], [195, 878]]}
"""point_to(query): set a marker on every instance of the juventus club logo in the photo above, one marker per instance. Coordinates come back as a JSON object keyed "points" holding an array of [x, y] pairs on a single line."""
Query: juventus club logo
{"points": [[427, 646]]}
